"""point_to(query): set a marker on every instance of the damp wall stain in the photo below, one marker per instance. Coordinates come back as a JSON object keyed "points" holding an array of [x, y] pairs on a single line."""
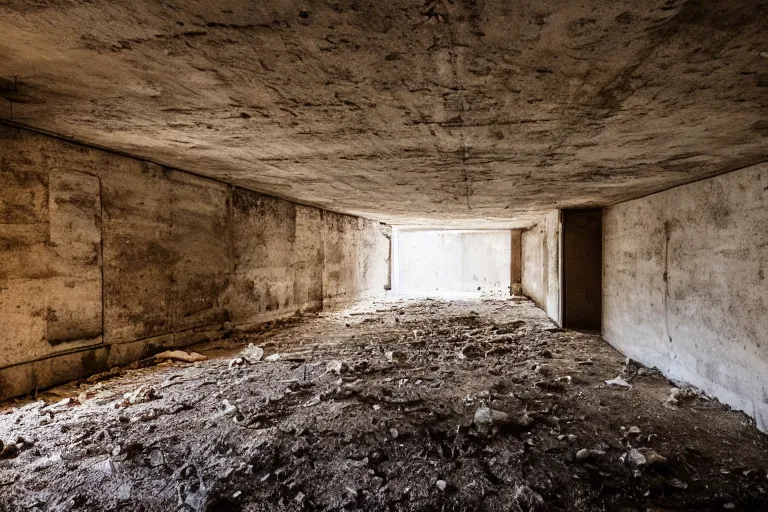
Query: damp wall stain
{"points": [[697, 306], [98, 249]]}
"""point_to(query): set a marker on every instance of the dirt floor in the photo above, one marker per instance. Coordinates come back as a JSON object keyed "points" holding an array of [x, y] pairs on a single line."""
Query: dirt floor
{"points": [[409, 405]]}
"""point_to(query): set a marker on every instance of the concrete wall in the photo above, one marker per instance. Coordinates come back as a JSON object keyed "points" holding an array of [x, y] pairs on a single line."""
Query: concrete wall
{"points": [[685, 285], [435, 262], [541, 264], [356, 259], [105, 259]]}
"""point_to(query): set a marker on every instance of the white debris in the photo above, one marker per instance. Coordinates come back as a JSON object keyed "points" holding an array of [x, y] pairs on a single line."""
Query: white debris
{"points": [[678, 396], [442, 485], [180, 355], [273, 358], [582, 454], [252, 353], [485, 416], [107, 466], [618, 381], [229, 410], [60, 406], [337, 367], [140, 395], [124, 491], [635, 458]]}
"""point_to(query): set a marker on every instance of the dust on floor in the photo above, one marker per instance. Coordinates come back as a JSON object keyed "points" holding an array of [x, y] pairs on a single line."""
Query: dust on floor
{"points": [[409, 405]]}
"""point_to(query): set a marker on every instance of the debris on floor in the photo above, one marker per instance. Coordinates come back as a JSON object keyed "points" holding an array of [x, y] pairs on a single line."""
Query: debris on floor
{"points": [[395, 405], [180, 355]]}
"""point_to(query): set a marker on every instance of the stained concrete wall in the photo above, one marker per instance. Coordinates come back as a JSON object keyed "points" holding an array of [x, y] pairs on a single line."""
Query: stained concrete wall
{"points": [[437, 262], [105, 259], [541, 264], [356, 259], [685, 285]]}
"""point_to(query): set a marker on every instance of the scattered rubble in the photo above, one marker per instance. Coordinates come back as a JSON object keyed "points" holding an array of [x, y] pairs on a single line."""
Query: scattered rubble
{"points": [[419, 405], [618, 381]]}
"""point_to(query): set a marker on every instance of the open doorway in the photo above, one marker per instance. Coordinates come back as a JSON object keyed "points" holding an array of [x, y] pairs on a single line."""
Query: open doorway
{"points": [[463, 263], [582, 269]]}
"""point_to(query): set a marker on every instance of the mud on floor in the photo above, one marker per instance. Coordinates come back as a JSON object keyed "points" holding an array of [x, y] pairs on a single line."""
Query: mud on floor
{"points": [[410, 405]]}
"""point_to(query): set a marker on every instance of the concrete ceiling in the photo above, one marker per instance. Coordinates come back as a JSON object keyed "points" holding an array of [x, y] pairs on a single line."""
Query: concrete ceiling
{"points": [[455, 112]]}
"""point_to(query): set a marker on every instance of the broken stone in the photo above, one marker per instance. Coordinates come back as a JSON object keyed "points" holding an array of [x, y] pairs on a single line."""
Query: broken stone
{"points": [[485, 416], [252, 354], [229, 410], [635, 458], [395, 356], [585, 454], [141, 395], [60, 406], [156, 458], [677, 483], [527, 499], [469, 352], [272, 358], [618, 381], [107, 466], [236, 362], [9, 451], [124, 491], [582, 454], [180, 355], [679, 396], [655, 459], [337, 367]]}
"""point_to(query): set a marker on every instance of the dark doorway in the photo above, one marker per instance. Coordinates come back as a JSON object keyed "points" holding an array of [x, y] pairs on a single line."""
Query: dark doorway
{"points": [[582, 269]]}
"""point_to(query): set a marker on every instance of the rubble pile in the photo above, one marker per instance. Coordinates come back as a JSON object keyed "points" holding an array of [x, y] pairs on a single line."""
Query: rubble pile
{"points": [[409, 405]]}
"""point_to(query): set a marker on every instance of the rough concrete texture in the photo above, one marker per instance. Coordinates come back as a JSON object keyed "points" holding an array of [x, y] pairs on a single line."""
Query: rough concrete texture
{"points": [[356, 259], [448, 261], [685, 285], [104, 251], [469, 111], [541, 264], [486, 406]]}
